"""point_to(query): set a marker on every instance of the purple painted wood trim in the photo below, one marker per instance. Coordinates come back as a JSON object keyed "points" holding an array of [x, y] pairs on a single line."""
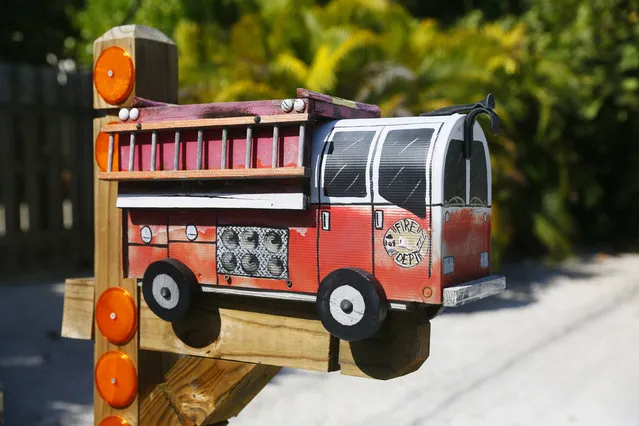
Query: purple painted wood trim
{"points": [[145, 103], [366, 110], [212, 110], [319, 106]]}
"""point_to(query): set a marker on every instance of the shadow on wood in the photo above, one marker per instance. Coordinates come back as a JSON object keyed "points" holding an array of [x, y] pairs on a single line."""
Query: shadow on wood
{"points": [[400, 347], [287, 334]]}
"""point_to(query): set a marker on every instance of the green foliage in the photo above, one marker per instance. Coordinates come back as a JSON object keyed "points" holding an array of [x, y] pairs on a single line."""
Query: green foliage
{"points": [[565, 75]]}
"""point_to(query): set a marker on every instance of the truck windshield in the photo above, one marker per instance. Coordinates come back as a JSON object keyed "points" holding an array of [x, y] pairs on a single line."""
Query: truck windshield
{"points": [[402, 169], [345, 170]]}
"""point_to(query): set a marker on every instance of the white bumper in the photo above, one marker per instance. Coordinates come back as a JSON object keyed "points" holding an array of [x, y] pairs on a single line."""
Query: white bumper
{"points": [[474, 290]]}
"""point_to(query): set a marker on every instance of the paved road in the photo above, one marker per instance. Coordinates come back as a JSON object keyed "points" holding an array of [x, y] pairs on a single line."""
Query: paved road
{"points": [[560, 347]]}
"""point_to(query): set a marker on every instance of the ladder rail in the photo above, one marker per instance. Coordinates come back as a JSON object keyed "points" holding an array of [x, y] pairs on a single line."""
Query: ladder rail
{"points": [[200, 143], [154, 143], [110, 153], [176, 152], [300, 145], [276, 145], [224, 159], [131, 151], [249, 146]]}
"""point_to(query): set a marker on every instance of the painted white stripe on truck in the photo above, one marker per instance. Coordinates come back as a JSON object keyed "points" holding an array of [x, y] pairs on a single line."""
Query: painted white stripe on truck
{"points": [[278, 201]]}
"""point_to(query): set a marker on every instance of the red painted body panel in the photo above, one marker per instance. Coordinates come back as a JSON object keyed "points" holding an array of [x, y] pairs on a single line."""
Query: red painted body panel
{"points": [[403, 269], [464, 237], [140, 257], [302, 252], [204, 221], [198, 257], [155, 220], [348, 242]]}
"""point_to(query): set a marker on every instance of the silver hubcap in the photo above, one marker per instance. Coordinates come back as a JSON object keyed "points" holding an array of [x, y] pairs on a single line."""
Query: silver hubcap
{"points": [[165, 291], [347, 305]]}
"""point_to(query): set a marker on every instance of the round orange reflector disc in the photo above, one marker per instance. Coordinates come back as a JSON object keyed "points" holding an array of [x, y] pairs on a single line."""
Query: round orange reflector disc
{"points": [[116, 315], [114, 75], [113, 421], [102, 152], [116, 379]]}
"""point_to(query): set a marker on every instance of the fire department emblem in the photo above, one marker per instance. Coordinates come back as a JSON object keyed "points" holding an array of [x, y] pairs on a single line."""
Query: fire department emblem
{"points": [[406, 243]]}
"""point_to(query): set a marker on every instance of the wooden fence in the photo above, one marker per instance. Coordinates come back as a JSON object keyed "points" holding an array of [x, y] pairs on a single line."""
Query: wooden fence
{"points": [[46, 172]]}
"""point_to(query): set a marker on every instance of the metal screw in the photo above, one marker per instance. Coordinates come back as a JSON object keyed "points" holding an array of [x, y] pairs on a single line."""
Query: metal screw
{"points": [[165, 292], [113, 380], [289, 283], [112, 315], [110, 73], [227, 278], [347, 306], [257, 118], [138, 126]]}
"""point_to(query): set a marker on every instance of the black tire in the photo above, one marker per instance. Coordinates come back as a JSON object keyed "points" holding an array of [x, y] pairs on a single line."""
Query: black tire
{"points": [[348, 291], [168, 286]]}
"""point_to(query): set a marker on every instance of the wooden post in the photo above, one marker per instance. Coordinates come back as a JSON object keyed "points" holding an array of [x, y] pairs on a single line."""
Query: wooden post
{"points": [[144, 64]]}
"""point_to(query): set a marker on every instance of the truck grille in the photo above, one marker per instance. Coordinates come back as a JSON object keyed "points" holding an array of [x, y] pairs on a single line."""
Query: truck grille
{"points": [[252, 251]]}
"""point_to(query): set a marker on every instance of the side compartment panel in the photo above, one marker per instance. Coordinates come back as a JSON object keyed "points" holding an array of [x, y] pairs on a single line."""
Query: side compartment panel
{"points": [[464, 237]]}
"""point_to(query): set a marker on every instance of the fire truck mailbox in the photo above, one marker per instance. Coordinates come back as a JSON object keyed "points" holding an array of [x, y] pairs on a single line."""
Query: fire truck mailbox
{"points": [[314, 199], [233, 239]]}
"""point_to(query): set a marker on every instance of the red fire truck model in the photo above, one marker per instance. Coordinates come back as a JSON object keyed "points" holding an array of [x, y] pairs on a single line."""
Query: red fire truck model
{"points": [[313, 199]]}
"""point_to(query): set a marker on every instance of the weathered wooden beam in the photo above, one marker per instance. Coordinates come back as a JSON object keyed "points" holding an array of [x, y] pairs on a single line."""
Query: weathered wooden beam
{"points": [[281, 333], [201, 391], [77, 314], [399, 348]]}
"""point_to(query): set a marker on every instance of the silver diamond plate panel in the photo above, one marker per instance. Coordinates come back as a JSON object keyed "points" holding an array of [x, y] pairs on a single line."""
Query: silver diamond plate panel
{"points": [[245, 248]]}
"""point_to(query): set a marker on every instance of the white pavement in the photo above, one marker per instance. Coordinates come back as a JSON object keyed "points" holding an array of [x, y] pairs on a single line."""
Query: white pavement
{"points": [[560, 347]]}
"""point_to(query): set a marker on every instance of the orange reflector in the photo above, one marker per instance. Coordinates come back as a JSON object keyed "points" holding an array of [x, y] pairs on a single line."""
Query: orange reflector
{"points": [[116, 315], [114, 421], [116, 379], [102, 152], [114, 75]]}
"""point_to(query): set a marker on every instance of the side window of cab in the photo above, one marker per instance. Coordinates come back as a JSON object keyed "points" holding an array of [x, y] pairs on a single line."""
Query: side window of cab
{"points": [[455, 175], [478, 175]]}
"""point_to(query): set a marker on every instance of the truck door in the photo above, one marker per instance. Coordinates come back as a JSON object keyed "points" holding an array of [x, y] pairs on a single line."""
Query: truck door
{"points": [[345, 234], [401, 219]]}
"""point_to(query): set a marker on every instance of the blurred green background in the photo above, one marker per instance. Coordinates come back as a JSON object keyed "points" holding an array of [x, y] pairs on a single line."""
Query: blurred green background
{"points": [[565, 74]]}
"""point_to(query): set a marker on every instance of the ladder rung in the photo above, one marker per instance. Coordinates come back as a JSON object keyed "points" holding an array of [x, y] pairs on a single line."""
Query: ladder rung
{"points": [[300, 149], [224, 148], [276, 143], [131, 151], [154, 142], [176, 154], [249, 142], [111, 147], [200, 139]]}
